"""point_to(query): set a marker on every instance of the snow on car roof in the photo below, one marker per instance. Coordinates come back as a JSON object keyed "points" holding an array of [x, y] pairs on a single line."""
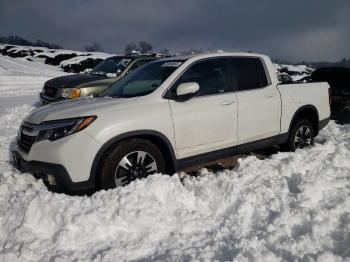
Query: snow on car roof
{"points": [[78, 59], [18, 48], [52, 53]]}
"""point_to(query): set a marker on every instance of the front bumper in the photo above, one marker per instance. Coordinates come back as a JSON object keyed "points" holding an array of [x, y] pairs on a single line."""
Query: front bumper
{"points": [[61, 183]]}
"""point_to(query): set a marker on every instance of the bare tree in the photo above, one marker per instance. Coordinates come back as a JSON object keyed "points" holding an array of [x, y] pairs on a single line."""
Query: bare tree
{"points": [[165, 51], [93, 48], [130, 48], [145, 47]]}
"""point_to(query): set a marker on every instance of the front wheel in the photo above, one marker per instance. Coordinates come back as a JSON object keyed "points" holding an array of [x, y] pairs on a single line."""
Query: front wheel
{"points": [[301, 135], [129, 160]]}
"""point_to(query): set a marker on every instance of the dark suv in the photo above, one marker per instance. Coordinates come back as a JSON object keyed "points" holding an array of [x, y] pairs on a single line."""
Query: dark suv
{"points": [[102, 76]]}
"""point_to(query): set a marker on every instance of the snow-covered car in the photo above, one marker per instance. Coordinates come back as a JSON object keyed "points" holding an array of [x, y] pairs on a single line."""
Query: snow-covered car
{"points": [[102, 76], [284, 78], [167, 115], [5, 49], [57, 56], [20, 51], [81, 63]]}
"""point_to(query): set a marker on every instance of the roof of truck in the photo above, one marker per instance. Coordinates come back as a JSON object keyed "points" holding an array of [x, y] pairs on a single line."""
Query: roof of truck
{"points": [[216, 54]]}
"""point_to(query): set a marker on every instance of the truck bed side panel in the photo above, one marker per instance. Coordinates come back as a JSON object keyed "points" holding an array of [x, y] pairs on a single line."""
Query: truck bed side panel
{"points": [[295, 96]]}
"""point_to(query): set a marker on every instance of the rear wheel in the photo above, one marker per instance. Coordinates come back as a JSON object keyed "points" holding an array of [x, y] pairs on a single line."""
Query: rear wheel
{"points": [[301, 135], [129, 160]]}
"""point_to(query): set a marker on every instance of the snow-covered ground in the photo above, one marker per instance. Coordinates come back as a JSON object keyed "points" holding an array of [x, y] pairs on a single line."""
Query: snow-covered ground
{"points": [[290, 206]]}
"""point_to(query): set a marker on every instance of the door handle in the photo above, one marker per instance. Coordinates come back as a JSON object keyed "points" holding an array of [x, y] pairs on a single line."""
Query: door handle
{"points": [[227, 103], [269, 95]]}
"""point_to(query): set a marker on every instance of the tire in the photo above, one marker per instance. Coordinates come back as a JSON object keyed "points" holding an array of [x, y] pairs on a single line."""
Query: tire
{"points": [[129, 160], [301, 135]]}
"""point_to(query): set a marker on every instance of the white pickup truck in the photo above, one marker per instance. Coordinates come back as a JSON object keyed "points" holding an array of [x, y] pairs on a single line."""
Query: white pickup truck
{"points": [[166, 115]]}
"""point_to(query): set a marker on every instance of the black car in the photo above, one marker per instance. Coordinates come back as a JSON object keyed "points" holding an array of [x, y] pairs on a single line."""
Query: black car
{"points": [[339, 80], [83, 64]]}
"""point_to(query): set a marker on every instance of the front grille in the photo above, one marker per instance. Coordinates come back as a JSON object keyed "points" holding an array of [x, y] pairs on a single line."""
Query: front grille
{"points": [[49, 91], [26, 137]]}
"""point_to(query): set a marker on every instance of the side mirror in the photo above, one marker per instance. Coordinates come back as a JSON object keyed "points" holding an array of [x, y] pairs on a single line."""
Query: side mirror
{"points": [[186, 90]]}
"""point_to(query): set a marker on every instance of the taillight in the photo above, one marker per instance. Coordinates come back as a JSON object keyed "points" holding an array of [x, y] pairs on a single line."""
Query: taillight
{"points": [[330, 96]]}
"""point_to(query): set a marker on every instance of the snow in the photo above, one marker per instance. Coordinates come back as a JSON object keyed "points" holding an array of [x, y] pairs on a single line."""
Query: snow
{"points": [[289, 206]]}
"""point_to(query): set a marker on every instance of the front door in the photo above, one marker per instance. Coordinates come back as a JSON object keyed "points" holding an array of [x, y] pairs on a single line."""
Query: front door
{"points": [[208, 121]]}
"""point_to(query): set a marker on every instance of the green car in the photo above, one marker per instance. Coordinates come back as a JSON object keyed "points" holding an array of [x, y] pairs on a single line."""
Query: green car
{"points": [[102, 76]]}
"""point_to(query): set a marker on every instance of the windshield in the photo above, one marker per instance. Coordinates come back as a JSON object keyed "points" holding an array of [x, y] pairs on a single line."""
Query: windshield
{"points": [[111, 66], [143, 80]]}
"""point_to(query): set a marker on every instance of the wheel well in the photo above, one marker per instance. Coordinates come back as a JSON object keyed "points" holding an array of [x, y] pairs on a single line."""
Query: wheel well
{"points": [[164, 148], [310, 114], [163, 145]]}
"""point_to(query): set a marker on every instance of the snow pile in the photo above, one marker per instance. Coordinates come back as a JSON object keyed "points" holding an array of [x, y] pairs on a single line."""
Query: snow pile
{"points": [[20, 78], [290, 206]]}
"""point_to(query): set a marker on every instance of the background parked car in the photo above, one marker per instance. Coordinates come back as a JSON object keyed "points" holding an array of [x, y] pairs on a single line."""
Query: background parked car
{"points": [[19, 52], [339, 80], [81, 63], [284, 78], [102, 76], [6, 48], [58, 56]]}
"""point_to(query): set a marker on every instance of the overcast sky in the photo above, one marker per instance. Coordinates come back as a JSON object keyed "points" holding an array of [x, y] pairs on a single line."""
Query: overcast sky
{"points": [[310, 30]]}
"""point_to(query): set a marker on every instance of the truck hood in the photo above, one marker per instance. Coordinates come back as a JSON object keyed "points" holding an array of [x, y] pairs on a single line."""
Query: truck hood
{"points": [[71, 81], [105, 82], [76, 108]]}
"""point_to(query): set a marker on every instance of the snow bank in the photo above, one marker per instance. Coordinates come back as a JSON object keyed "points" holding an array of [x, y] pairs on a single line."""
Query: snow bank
{"points": [[290, 206], [19, 77]]}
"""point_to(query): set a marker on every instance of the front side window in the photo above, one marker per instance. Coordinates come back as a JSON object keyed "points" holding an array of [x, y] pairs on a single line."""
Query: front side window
{"points": [[211, 76], [143, 80], [248, 73], [114, 65]]}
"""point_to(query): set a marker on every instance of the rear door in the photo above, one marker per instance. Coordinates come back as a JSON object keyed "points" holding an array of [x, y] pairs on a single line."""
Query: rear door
{"points": [[208, 121], [259, 102]]}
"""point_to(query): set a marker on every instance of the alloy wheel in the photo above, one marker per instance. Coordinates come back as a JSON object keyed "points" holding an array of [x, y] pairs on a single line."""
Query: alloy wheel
{"points": [[137, 164], [302, 137]]}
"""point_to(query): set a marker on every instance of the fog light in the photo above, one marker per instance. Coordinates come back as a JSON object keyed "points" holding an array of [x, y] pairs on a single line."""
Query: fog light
{"points": [[51, 180]]}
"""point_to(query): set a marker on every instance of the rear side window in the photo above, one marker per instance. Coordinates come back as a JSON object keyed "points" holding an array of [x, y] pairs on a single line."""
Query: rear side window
{"points": [[248, 73], [211, 75]]}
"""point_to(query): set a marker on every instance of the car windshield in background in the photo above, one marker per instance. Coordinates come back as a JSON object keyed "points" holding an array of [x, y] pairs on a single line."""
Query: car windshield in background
{"points": [[144, 80], [111, 66]]}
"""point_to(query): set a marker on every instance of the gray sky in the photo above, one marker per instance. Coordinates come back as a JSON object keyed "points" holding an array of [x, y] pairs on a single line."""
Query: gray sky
{"points": [[310, 30]]}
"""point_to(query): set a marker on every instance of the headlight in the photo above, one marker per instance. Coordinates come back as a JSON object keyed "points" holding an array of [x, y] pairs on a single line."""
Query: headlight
{"points": [[70, 92], [53, 130]]}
